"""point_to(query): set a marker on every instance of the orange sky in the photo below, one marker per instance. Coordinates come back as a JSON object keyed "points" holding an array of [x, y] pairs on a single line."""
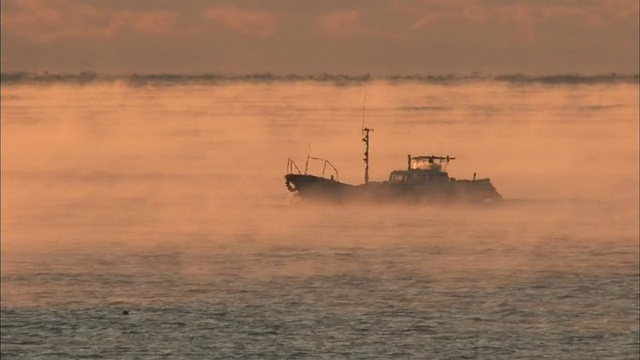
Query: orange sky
{"points": [[315, 36]]}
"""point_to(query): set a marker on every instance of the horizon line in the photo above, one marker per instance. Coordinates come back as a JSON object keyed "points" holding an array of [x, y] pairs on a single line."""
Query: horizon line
{"points": [[209, 77]]}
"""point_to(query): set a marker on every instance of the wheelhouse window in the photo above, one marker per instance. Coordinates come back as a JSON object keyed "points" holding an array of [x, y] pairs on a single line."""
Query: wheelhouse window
{"points": [[397, 177]]}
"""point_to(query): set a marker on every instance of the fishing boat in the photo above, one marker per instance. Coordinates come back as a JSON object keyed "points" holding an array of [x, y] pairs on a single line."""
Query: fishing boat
{"points": [[425, 179]]}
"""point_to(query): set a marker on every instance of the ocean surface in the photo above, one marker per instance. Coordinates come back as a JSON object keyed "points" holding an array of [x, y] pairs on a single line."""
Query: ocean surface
{"points": [[147, 218]]}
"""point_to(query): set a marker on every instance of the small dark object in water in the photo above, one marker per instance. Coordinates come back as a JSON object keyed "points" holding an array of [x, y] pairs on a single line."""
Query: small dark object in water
{"points": [[125, 312]]}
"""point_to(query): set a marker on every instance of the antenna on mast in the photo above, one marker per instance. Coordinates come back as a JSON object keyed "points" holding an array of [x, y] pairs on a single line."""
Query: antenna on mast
{"points": [[365, 139], [364, 107], [306, 165]]}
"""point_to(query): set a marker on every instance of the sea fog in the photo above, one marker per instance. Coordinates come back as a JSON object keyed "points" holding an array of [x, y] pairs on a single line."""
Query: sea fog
{"points": [[168, 201]]}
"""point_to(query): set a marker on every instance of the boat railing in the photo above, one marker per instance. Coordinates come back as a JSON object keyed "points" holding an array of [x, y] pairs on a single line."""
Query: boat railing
{"points": [[414, 162], [325, 162], [327, 167], [291, 165]]}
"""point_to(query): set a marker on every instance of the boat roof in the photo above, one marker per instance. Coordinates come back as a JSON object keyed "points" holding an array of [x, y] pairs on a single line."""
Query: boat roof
{"points": [[433, 157]]}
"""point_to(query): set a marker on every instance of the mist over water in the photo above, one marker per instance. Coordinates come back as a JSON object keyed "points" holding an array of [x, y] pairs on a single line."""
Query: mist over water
{"points": [[169, 202]]}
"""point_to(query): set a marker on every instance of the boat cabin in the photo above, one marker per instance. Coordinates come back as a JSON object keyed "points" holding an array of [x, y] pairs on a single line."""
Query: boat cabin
{"points": [[421, 169]]}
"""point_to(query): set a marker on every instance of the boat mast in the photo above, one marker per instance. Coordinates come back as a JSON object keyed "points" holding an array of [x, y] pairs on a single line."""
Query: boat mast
{"points": [[365, 139]]}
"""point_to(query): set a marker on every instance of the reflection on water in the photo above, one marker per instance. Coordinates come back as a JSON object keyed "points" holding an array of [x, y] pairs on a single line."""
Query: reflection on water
{"points": [[170, 202]]}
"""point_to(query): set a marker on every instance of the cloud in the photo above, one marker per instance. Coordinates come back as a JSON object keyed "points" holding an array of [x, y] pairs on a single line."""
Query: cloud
{"points": [[523, 19], [49, 21], [396, 35], [260, 24], [341, 24], [350, 24], [156, 22], [524, 16]]}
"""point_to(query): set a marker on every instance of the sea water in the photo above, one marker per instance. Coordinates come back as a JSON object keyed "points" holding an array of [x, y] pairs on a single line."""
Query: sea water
{"points": [[148, 218]]}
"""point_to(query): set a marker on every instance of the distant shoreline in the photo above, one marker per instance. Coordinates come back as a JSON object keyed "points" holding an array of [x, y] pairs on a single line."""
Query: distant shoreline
{"points": [[9, 78]]}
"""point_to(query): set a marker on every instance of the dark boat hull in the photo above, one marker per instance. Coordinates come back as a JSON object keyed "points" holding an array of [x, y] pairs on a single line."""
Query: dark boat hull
{"points": [[314, 187]]}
